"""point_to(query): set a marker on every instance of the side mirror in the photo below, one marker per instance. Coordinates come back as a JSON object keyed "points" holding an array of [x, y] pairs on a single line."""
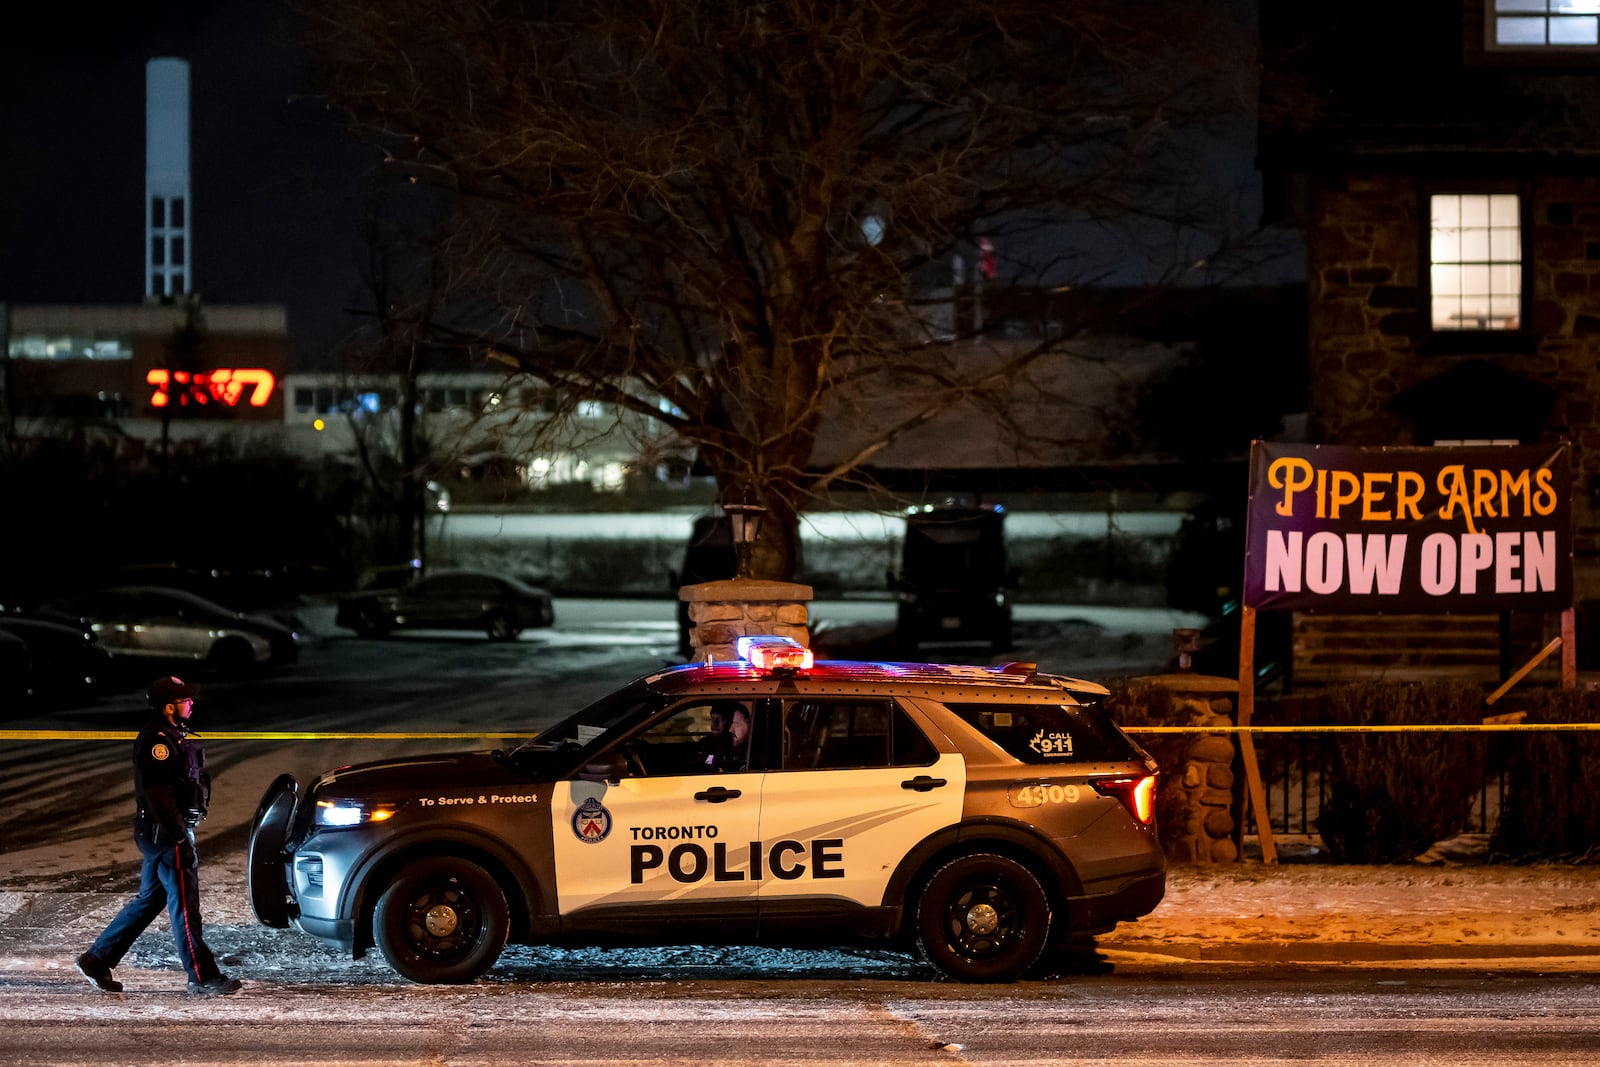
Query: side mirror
{"points": [[607, 767]]}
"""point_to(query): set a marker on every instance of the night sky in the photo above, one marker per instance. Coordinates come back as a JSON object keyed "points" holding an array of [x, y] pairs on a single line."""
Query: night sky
{"points": [[278, 192]]}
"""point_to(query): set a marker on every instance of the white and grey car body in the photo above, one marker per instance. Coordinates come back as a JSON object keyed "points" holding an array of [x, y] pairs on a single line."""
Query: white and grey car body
{"points": [[883, 803]]}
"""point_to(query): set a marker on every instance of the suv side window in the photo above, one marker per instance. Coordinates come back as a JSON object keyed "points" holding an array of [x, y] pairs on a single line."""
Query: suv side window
{"points": [[685, 742], [1048, 733], [839, 734]]}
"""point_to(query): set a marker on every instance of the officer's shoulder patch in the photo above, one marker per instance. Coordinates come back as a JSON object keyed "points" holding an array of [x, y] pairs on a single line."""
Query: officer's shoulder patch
{"points": [[159, 751]]}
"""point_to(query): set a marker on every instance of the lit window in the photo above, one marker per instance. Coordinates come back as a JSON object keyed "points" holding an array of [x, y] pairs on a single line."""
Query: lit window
{"points": [[1476, 256], [1546, 23]]}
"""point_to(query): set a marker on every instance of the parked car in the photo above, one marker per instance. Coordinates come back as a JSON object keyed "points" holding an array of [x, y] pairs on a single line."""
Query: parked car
{"points": [[986, 816], [64, 662], [497, 604], [153, 623]]}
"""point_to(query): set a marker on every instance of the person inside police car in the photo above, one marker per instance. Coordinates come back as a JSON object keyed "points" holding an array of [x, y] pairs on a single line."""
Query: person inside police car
{"points": [[172, 791], [736, 754], [727, 746], [713, 746]]}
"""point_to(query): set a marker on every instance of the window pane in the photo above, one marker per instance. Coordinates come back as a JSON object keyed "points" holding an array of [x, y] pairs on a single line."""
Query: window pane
{"points": [[1505, 280], [1519, 31], [1446, 245], [1476, 271], [1046, 733], [177, 251], [158, 212], [1570, 7], [177, 283], [157, 284], [177, 212], [1506, 311], [1573, 30], [158, 251], [1505, 246], [1520, 5]]}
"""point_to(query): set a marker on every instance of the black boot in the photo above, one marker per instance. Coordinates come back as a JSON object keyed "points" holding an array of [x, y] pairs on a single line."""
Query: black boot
{"points": [[98, 973]]}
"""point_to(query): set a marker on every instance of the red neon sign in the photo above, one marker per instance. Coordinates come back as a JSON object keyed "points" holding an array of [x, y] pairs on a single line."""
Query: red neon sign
{"points": [[225, 386]]}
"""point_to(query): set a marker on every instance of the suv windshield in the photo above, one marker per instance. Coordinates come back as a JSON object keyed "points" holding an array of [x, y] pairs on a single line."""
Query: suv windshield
{"points": [[595, 721], [1048, 733]]}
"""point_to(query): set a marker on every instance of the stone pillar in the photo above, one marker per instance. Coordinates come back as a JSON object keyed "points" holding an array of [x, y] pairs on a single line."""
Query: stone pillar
{"points": [[1198, 792], [722, 612]]}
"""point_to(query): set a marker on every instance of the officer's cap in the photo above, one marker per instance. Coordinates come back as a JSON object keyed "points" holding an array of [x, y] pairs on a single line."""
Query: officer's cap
{"points": [[169, 690]]}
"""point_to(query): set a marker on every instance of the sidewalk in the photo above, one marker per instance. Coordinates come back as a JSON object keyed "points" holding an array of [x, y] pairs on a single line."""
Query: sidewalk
{"points": [[1512, 917]]}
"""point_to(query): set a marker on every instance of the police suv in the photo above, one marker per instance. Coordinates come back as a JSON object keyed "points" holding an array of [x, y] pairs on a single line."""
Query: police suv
{"points": [[983, 814]]}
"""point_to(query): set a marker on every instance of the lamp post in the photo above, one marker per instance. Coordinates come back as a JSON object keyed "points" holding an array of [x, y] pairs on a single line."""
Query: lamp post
{"points": [[746, 520]]}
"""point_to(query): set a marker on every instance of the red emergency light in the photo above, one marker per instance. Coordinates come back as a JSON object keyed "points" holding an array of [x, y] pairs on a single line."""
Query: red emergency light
{"points": [[768, 652]]}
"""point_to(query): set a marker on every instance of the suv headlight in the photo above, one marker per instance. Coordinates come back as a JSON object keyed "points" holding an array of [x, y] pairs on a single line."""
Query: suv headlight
{"points": [[350, 813]]}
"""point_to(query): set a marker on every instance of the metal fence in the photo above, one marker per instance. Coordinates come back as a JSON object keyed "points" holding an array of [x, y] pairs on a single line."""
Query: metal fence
{"points": [[1294, 777]]}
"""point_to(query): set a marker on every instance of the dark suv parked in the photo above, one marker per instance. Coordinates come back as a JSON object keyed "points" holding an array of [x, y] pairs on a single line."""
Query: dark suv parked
{"points": [[953, 583]]}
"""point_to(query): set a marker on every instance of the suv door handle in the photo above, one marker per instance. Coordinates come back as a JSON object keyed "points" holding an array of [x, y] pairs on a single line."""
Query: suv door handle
{"points": [[922, 783], [716, 794]]}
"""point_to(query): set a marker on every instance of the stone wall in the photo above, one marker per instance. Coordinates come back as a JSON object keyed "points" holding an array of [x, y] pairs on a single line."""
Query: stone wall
{"points": [[1369, 330], [722, 612], [1197, 794]]}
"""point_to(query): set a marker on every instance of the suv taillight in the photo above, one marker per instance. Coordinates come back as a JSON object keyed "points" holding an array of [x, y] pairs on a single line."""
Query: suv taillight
{"points": [[1136, 792]]}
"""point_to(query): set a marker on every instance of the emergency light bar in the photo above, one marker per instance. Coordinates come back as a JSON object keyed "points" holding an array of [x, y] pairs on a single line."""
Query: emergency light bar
{"points": [[769, 652]]}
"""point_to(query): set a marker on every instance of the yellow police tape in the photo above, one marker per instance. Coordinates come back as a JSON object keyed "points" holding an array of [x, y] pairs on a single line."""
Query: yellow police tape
{"points": [[354, 735]]}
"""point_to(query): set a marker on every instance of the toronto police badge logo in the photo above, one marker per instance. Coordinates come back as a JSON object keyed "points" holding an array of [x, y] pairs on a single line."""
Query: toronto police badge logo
{"points": [[591, 822]]}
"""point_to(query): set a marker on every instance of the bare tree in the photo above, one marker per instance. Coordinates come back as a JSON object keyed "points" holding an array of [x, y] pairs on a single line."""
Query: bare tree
{"points": [[186, 356], [737, 217]]}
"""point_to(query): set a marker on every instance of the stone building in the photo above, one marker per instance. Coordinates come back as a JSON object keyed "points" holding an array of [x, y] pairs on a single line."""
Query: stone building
{"points": [[1443, 159]]}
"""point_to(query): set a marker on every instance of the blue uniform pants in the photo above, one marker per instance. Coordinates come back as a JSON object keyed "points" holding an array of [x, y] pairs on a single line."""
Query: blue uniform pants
{"points": [[170, 877]]}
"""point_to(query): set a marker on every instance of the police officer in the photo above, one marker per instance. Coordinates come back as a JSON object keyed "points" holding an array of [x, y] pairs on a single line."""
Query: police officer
{"points": [[172, 790]]}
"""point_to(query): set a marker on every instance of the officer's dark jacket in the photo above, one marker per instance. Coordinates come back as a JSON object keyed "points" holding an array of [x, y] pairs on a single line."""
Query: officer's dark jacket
{"points": [[170, 782]]}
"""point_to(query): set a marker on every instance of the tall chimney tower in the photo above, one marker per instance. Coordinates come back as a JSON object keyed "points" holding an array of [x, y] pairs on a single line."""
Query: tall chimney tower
{"points": [[169, 253]]}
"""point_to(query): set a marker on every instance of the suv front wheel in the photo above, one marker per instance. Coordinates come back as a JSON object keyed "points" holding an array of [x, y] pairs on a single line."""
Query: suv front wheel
{"points": [[441, 920], [983, 918]]}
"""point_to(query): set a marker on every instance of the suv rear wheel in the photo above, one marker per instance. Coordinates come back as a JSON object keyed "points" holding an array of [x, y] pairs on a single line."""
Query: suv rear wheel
{"points": [[983, 918], [442, 920]]}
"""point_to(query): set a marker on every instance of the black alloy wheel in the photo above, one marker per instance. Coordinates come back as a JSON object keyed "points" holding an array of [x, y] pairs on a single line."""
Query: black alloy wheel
{"points": [[983, 918], [442, 920]]}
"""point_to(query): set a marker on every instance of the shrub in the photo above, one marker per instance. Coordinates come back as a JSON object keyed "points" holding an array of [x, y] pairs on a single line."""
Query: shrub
{"points": [[1551, 807], [1389, 796]]}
